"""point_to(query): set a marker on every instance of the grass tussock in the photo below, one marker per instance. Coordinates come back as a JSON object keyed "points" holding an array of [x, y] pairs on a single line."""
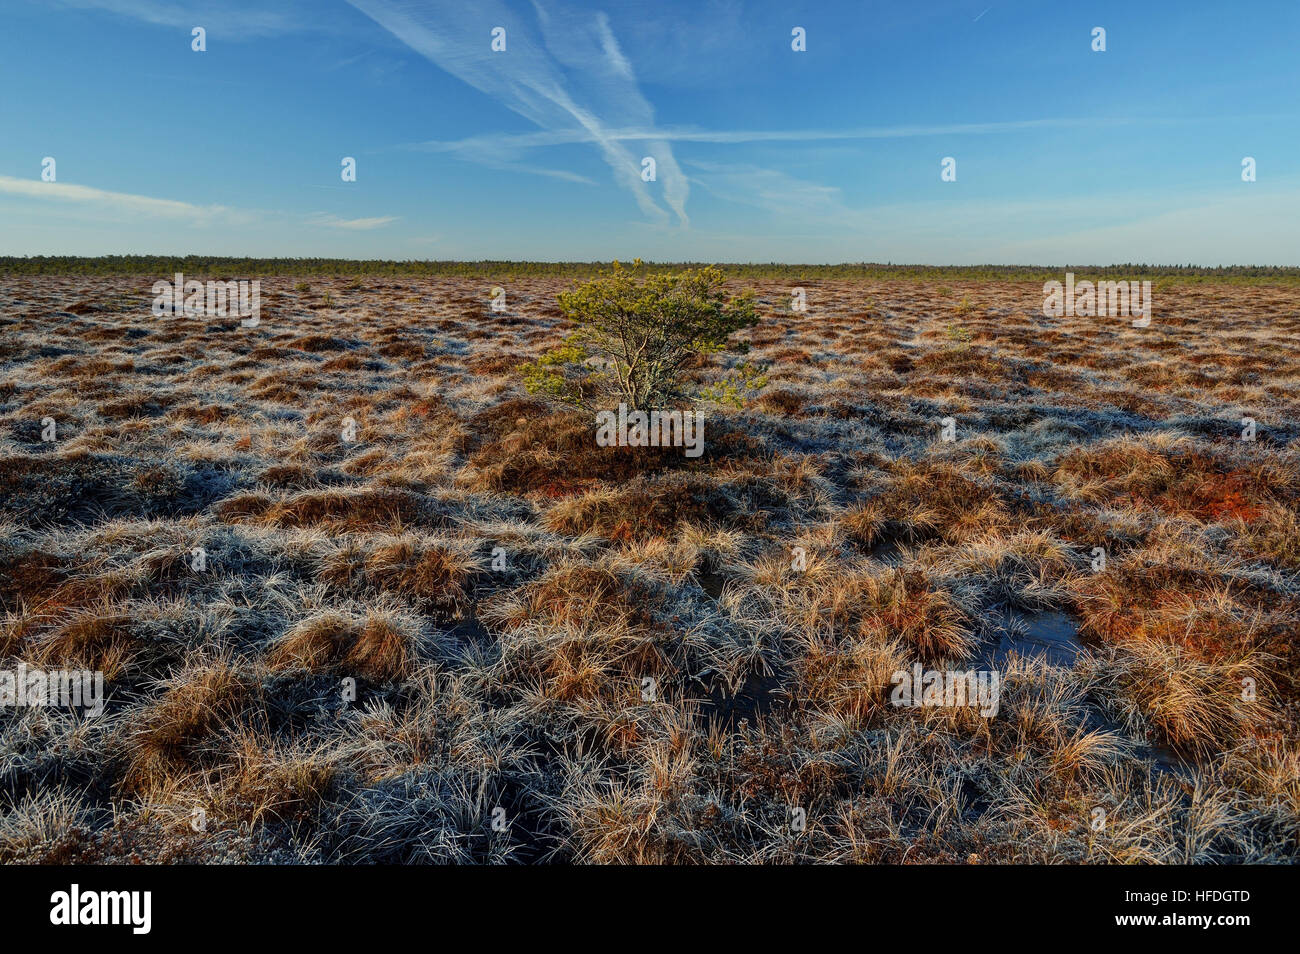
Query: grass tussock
{"points": [[375, 648]]}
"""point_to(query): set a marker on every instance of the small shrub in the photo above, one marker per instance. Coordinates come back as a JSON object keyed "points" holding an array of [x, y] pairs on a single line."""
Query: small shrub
{"points": [[635, 339]]}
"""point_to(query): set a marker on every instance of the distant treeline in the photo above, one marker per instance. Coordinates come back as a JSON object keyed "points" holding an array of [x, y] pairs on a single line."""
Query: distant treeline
{"points": [[206, 266]]}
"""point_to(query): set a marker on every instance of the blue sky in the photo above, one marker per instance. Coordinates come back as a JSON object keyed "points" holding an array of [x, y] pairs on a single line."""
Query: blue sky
{"points": [[1064, 155]]}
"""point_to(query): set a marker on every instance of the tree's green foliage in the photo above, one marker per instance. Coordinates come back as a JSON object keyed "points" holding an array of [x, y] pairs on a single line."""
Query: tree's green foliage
{"points": [[737, 386], [635, 334], [556, 375]]}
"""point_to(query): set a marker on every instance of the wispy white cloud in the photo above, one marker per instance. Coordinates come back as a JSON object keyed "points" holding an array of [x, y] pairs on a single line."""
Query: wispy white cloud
{"points": [[564, 71], [494, 160], [475, 146], [130, 205], [790, 198], [357, 225], [489, 150], [122, 201], [232, 20]]}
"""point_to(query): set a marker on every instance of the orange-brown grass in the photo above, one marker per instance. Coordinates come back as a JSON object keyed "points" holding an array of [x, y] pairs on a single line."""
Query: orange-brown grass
{"points": [[195, 704], [270, 783], [645, 508], [1191, 704], [376, 649], [582, 597], [524, 450], [432, 576], [849, 677], [1170, 476], [368, 510], [927, 500], [584, 632], [904, 605], [97, 638], [556, 454], [29, 578]]}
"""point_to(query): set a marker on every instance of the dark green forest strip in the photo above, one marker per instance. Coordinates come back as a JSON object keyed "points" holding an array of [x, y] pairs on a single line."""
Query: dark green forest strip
{"points": [[200, 266]]}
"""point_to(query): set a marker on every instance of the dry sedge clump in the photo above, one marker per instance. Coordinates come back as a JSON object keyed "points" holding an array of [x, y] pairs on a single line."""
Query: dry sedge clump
{"points": [[849, 678], [895, 606], [291, 476], [643, 509], [903, 605], [1025, 570], [169, 565], [330, 642], [782, 401], [581, 597], [14, 629], [583, 633], [526, 449], [275, 783], [198, 702], [98, 638], [1154, 595], [380, 652], [138, 405], [315, 644], [382, 509], [369, 510], [927, 500], [1274, 535], [434, 577], [1191, 704], [318, 343], [556, 454]]}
